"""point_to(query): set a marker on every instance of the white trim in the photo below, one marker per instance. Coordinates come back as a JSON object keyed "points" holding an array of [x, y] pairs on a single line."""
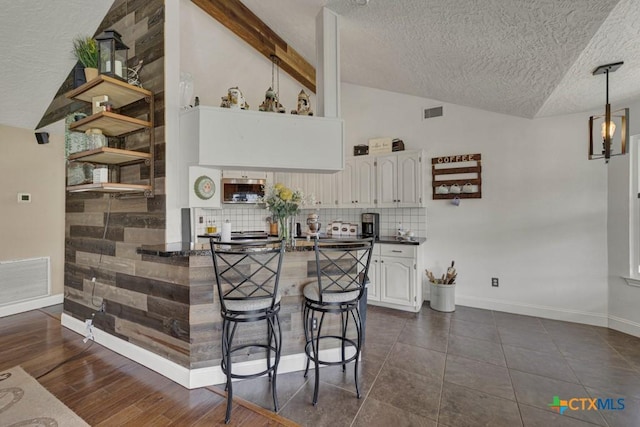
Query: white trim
{"points": [[632, 281], [624, 325], [547, 312], [189, 378], [634, 208], [33, 304]]}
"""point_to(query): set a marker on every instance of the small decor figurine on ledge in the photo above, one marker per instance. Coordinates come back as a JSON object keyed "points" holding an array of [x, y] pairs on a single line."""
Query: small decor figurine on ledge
{"points": [[271, 102], [234, 100], [304, 108]]}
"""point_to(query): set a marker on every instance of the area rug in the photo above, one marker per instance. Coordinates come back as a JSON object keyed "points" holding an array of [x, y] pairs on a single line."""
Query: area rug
{"points": [[24, 402]]}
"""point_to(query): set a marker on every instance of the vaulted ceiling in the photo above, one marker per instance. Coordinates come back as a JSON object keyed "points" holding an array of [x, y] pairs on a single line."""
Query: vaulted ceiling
{"points": [[530, 58]]}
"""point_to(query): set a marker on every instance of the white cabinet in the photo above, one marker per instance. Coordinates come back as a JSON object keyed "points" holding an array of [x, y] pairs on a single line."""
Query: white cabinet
{"points": [[399, 180], [395, 282], [243, 174], [357, 183], [323, 186]]}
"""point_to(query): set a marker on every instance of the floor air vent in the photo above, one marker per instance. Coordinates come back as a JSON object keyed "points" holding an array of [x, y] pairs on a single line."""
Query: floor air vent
{"points": [[23, 280]]}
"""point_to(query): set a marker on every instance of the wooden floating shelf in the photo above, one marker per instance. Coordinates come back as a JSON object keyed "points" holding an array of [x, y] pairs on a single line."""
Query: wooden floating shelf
{"points": [[111, 124], [476, 195], [110, 156], [110, 187], [119, 92], [447, 166]]}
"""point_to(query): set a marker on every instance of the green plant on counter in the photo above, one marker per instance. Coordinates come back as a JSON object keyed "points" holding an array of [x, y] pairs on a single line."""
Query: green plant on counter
{"points": [[85, 49]]}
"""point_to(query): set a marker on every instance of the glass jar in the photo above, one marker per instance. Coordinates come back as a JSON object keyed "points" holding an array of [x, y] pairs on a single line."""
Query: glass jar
{"points": [[95, 139]]}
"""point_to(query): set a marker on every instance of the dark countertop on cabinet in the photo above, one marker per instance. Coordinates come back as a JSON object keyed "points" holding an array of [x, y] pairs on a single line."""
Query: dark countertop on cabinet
{"points": [[178, 249]]}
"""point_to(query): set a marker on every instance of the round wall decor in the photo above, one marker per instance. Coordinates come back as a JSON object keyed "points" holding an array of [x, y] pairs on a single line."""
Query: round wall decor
{"points": [[204, 187]]}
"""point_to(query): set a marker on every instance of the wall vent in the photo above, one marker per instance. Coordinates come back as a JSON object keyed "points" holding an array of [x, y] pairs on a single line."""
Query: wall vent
{"points": [[23, 280], [430, 113]]}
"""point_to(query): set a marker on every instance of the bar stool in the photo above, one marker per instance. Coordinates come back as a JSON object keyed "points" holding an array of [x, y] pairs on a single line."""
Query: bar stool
{"points": [[247, 275], [342, 267]]}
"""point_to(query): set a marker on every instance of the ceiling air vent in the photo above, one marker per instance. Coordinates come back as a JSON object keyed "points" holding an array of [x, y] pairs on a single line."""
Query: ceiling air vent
{"points": [[430, 113]]}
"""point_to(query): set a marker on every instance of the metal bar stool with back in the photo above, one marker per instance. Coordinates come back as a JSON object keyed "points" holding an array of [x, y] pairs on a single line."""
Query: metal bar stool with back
{"points": [[342, 266], [247, 275]]}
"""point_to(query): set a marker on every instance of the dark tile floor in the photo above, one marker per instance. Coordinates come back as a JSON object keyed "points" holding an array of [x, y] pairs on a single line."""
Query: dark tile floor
{"points": [[471, 367]]}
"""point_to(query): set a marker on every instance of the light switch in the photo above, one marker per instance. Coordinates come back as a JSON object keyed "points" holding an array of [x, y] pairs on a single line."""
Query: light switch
{"points": [[24, 197]]}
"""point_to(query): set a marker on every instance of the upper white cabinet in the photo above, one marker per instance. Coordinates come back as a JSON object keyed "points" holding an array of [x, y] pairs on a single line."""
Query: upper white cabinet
{"points": [[239, 139], [399, 180], [244, 174], [326, 190], [357, 183]]}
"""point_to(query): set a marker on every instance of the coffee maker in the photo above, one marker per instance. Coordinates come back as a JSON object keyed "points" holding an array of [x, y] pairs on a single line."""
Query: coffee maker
{"points": [[371, 225]]}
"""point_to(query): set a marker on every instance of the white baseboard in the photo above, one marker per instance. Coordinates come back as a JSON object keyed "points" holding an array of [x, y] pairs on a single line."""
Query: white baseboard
{"points": [[547, 312], [624, 325], [33, 304], [189, 378]]}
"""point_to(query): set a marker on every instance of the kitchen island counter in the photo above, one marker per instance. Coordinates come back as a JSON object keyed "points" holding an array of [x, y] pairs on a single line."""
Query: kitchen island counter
{"points": [[181, 249]]}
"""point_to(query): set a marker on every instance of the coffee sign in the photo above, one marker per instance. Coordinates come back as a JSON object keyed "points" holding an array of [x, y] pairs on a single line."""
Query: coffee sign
{"points": [[458, 158]]}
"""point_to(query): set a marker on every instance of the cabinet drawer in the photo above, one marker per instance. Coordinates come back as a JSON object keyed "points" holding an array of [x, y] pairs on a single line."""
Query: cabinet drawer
{"points": [[398, 250]]}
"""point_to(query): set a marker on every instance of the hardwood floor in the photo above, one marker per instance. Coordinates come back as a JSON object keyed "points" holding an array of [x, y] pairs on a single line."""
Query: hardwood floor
{"points": [[106, 389]]}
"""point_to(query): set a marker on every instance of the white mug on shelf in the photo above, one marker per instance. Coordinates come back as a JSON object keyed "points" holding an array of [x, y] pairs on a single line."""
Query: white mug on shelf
{"points": [[443, 189], [468, 188], [455, 189]]}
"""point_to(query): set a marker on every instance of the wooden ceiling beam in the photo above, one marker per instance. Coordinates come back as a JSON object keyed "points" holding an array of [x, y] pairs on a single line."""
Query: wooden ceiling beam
{"points": [[245, 24]]}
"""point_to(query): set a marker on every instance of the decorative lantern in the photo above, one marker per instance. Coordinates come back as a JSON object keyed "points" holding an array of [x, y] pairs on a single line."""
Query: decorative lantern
{"points": [[112, 55]]}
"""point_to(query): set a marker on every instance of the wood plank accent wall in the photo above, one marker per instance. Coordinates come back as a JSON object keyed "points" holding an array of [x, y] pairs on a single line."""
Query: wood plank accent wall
{"points": [[146, 301], [242, 22]]}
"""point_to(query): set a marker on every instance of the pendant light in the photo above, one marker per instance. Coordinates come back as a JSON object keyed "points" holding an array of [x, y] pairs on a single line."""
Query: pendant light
{"points": [[605, 126]]}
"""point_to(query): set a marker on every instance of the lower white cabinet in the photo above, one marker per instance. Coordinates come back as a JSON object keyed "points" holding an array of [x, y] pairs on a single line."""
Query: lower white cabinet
{"points": [[394, 276]]}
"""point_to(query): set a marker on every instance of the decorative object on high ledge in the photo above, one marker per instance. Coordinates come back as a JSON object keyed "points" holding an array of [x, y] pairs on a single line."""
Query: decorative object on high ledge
{"points": [[271, 101], [85, 50], [606, 124], [112, 55], [304, 106], [234, 100], [186, 89]]}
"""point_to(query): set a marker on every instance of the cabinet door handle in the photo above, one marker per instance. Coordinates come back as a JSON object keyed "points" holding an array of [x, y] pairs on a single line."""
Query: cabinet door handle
{"points": [[399, 252]]}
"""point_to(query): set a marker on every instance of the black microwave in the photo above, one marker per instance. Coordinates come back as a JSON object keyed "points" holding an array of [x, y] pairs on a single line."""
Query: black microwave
{"points": [[242, 190]]}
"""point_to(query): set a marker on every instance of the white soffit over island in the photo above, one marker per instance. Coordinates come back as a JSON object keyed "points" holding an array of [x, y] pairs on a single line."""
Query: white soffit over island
{"points": [[257, 140]]}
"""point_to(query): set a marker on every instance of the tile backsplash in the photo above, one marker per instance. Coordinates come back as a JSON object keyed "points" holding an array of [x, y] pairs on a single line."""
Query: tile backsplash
{"points": [[251, 218]]}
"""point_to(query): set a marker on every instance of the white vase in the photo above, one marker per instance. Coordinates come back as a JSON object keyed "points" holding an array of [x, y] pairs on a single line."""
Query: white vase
{"points": [[443, 297]]}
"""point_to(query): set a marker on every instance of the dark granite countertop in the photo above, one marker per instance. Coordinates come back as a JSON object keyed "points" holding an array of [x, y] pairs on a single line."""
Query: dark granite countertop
{"points": [[178, 249]]}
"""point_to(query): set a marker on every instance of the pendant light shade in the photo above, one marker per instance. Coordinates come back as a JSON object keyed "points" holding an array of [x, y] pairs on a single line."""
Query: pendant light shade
{"points": [[603, 144]]}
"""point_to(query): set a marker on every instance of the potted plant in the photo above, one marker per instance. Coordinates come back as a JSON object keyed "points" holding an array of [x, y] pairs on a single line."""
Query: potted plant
{"points": [[85, 49], [443, 290]]}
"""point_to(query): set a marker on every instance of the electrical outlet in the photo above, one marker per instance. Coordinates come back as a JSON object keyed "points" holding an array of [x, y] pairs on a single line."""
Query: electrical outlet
{"points": [[103, 307], [494, 282], [314, 323], [88, 330]]}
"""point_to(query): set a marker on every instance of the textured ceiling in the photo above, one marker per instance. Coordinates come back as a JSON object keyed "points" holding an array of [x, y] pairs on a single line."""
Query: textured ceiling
{"points": [[529, 58], [36, 52], [508, 56]]}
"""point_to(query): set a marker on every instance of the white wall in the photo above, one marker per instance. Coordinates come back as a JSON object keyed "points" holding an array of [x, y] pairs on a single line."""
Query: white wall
{"points": [[624, 299], [36, 229], [218, 60], [540, 226]]}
